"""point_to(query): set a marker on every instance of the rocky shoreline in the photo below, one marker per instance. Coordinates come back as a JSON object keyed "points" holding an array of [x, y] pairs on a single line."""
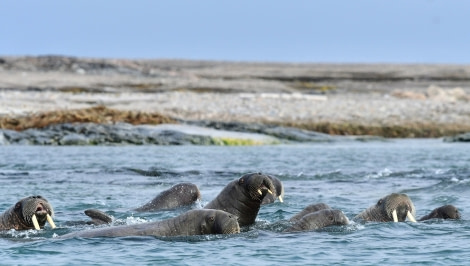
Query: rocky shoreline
{"points": [[335, 99]]}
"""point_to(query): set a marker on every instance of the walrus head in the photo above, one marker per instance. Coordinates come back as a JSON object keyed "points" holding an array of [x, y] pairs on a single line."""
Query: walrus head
{"points": [[279, 193], [220, 222], [257, 185], [448, 212], [35, 211], [397, 207], [443, 212]]}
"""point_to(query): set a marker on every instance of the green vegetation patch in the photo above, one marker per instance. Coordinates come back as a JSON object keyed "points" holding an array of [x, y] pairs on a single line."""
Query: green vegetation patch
{"points": [[221, 141]]}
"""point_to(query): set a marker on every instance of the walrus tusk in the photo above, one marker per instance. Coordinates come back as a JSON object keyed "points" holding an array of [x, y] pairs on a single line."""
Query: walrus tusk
{"points": [[35, 222], [51, 222], [280, 199], [259, 191], [270, 192], [410, 217], [395, 217]]}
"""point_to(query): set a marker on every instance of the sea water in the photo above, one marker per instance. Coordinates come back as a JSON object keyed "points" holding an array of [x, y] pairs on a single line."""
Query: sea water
{"points": [[349, 176]]}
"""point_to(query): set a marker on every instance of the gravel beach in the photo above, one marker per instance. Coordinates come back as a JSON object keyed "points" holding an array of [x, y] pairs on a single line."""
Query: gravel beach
{"points": [[413, 100]]}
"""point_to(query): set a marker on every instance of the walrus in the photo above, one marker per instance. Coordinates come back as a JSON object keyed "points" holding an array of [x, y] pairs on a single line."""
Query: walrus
{"points": [[179, 195], [443, 212], [270, 198], [394, 207], [243, 197], [28, 213], [309, 209], [192, 222], [319, 219]]}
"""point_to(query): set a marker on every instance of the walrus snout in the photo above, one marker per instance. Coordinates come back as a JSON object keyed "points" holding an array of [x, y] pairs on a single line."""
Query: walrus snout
{"points": [[42, 211], [402, 212]]}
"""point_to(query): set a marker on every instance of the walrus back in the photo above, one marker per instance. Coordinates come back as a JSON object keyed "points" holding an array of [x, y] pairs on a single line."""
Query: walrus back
{"points": [[370, 214]]}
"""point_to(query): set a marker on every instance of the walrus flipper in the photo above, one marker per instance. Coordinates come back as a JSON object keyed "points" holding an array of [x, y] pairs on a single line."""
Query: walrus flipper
{"points": [[98, 217]]}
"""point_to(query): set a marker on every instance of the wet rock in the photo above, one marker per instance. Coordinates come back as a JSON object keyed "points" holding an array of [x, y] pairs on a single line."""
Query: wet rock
{"points": [[73, 139], [284, 133], [101, 134], [458, 138], [3, 141]]}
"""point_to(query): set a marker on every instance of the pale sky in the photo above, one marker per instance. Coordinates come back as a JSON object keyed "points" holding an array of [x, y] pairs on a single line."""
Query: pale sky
{"points": [[398, 31]]}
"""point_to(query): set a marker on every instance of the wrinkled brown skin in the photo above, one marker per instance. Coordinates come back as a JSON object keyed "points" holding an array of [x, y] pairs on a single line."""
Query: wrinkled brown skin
{"points": [[241, 198], [193, 222], [18, 217], [179, 195], [309, 209], [382, 210], [443, 212], [279, 191], [319, 219]]}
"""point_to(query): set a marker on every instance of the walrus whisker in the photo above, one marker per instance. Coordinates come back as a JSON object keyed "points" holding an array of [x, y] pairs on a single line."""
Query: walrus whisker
{"points": [[395, 217], [35, 222], [50, 221], [410, 217]]}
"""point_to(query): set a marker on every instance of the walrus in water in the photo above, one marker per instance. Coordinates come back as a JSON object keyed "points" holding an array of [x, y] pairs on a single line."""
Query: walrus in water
{"points": [[394, 207], [179, 195], [309, 209], [28, 213], [443, 212], [319, 219], [193, 222], [243, 197], [270, 198]]}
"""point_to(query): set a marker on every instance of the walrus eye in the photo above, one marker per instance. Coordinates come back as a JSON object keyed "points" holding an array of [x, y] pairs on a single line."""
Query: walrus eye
{"points": [[241, 181], [331, 218], [18, 205], [380, 202]]}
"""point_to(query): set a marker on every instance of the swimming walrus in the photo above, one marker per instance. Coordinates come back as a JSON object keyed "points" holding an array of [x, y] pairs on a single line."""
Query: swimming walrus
{"points": [[394, 207], [28, 213], [193, 222], [319, 219], [309, 209], [443, 212], [179, 195], [243, 197], [270, 198]]}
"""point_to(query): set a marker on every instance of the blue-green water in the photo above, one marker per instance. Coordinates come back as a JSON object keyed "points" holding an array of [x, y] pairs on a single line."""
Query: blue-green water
{"points": [[349, 176]]}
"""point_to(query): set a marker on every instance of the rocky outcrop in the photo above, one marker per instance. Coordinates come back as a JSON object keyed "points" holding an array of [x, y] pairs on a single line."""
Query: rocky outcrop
{"points": [[101, 134]]}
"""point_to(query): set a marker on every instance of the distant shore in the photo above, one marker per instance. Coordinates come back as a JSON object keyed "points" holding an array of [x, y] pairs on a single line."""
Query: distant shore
{"points": [[341, 99]]}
